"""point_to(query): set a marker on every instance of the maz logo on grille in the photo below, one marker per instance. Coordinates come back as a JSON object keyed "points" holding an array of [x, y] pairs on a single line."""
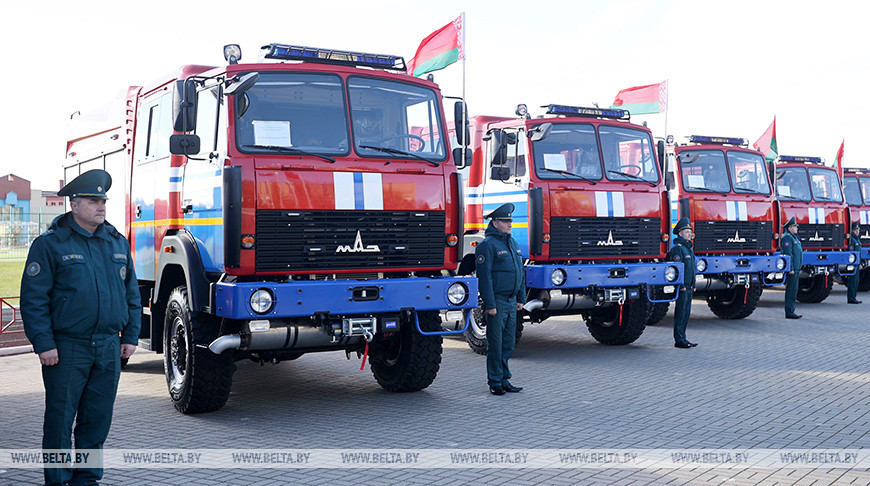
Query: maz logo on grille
{"points": [[610, 241], [358, 247], [737, 238]]}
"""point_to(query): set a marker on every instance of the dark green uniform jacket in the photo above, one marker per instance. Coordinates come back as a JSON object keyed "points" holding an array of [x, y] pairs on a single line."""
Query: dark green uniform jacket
{"points": [[682, 252], [855, 245], [77, 285], [499, 268], [791, 245]]}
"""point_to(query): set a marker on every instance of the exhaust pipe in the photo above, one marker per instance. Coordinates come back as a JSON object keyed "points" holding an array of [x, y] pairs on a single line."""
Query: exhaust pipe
{"points": [[281, 337], [223, 343]]}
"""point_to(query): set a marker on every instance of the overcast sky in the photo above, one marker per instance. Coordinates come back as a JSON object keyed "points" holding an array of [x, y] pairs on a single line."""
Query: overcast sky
{"points": [[731, 65]]}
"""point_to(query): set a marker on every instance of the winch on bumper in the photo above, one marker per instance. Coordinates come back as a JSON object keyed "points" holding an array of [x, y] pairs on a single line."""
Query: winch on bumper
{"points": [[583, 286], [826, 262], [341, 310], [725, 272]]}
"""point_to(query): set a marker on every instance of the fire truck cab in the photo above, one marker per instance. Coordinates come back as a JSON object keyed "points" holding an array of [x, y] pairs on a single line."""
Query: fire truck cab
{"points": [[308, 202], [856, 186], [723, 188], [810, 192], [590, 219]]}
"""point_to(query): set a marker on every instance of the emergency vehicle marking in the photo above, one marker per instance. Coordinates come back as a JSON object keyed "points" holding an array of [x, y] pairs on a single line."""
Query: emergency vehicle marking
{"points": [[175, 175], [736, 210], [864, 216], [496, 199], [175, 221], [817, 215], [609, 204], [357, 190]]}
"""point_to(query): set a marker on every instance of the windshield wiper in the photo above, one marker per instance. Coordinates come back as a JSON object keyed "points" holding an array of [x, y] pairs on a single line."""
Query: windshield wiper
{"points": [[571, 174], [290, 150], [751, 191], [817, 198], [631, 176], [790, 198], [393, 151], [707, 189]]}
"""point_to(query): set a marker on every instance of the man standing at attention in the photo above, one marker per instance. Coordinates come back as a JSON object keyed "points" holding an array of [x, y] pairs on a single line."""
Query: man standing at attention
{"points": [[78, 293], [682, 252], [501, 282], [852, 280], [790, 245]]}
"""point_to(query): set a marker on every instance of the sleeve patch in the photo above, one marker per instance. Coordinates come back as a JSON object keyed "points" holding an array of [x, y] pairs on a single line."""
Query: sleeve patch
{"points": [[481, 258], [33, 269], [677, 258]]}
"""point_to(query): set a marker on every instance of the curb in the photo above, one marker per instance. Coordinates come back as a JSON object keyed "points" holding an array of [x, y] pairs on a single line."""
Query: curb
{"points": [[16, 350]]}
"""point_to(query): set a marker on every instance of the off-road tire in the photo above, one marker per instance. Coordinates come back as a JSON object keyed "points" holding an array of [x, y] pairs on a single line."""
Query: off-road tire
{"points": [[475, 335], [813, 290], [728, 303], [603, 323], [198, 380], [864, 280], [408, 361], [657, 312]]}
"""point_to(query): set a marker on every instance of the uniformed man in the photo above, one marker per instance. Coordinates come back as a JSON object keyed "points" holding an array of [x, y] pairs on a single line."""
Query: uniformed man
{"points": [[501, 283], [81, 311], [682, 252], [852, 280], [790, 245]]}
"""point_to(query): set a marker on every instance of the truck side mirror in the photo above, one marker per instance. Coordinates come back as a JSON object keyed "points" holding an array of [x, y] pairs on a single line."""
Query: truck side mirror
{"points": [[499, 148], [460, 123], [500, 173], [184, 144], [462, 157], [184, 106], [669, 180], [540, 132], [660, 148]]}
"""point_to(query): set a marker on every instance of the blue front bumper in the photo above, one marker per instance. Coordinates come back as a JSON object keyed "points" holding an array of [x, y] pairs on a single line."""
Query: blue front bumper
{"points": [[304, 298], [841, 259], [603, 275], [744, 265]]}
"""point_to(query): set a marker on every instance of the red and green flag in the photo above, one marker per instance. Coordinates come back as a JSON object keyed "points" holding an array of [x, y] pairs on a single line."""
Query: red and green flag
{"points": [[440, 49], [766, 144], [639, 100]]}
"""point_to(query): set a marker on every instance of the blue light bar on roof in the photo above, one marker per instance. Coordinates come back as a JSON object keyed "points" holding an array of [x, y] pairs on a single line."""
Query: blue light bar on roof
{"points": [[331, 56], [793, 158], [582, 111], [856, 170], [717, 140]]}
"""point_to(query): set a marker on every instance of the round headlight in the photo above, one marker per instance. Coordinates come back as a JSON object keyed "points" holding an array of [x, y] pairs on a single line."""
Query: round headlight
{"points": [[671, 273], [701, 265], [457, 293], [780, 263], [853, 258], [558, 277], [261, 301]]}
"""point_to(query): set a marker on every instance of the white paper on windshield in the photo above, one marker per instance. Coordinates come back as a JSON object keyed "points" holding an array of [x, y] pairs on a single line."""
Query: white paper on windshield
{"points": [[696, 181], [272, 133], [555, 162], [783, 190]]}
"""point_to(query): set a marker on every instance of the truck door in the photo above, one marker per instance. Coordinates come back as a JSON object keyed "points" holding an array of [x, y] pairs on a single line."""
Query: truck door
{"points": [[507, 180]]}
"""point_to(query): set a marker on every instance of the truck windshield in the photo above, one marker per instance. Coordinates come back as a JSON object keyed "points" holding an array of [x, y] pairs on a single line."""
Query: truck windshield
{"points": [[569, 149], [628, 154], [792, 184], [305, 111], [398, 118], [704, 171], [748, 172], [865, 189], [825, 184], [853, 191]]}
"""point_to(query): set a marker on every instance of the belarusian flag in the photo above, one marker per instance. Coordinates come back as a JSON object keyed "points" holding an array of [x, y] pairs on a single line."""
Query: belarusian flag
{"points": [[440, 49], [840, 158], [767, 142], [652, 98]]}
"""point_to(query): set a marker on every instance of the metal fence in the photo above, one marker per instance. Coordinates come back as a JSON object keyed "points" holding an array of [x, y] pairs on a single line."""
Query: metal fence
{"points": [[18, 231]]}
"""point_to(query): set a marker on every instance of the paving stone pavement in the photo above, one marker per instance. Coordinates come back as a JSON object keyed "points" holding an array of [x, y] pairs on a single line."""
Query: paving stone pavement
{"points": [[758, 383]]}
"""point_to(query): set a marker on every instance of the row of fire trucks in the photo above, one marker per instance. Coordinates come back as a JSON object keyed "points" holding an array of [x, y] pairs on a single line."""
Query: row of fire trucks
{"points": [[319, 200]]}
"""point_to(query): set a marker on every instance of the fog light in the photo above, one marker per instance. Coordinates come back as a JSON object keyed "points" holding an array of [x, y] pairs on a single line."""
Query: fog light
{"points": [[701, 265], [671, 273], [669, 289], [853, 258], [261, 301], [454, 315], [457, 293], [558, 277], [780, 263], [261, 325]]}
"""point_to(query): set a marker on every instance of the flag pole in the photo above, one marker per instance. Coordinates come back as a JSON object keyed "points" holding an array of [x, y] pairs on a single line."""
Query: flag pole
{"points": [[667, 106]]}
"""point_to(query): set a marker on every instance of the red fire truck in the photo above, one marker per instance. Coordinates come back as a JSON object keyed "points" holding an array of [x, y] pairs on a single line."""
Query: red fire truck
{"points": [[723, 188], [811, 193], [286, 207], [856, 185], [590, 219]]}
